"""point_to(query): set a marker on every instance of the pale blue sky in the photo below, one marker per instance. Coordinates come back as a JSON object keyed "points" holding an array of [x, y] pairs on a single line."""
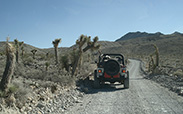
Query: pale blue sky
{"points": [[39, 22]]}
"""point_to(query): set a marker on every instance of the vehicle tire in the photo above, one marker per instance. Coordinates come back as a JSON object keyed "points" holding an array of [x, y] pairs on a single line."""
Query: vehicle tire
{"points": [[126, 81], [112, 67], [96, 80]]}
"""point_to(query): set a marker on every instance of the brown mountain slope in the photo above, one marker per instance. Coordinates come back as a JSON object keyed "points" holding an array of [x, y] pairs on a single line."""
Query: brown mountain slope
{"points": [[167, 44]]}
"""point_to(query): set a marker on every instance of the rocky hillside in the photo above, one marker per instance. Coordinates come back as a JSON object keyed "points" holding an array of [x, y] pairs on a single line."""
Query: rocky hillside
{"points": [[39, 85], [170, 48], [139, 43], [134, 35]]}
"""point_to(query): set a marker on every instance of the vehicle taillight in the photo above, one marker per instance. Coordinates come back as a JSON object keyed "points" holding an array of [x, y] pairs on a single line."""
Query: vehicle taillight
{"points": [[123, 70], [99, 70]]}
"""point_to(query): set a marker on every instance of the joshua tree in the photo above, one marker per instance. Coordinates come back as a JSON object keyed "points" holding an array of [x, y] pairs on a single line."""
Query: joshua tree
{"points": [[47, 65], [55, 44], [90, 45], [47, 55], [153, 65], [9, 69], [157, 55], [17, 46], [83, 39], [22, 49], [80, 42], [17, 49], [34, 52]]}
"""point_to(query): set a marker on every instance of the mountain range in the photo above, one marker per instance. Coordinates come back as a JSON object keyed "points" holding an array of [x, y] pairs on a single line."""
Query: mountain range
{"points": [[133, 35], [132, 43]]}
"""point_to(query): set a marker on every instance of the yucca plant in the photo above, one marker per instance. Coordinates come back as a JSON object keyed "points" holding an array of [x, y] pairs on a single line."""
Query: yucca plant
{"points": [[17, 46], [90, 45], [22, 49], [55, 44], [17, 49], [34, 52], [47, 64], [47, 55], [153, 65], [9, 69], [80, 42], [157, 55]]}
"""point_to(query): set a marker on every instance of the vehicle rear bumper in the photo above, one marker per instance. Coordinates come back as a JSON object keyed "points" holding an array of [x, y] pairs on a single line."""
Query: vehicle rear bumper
{"points": [[112, 79]]}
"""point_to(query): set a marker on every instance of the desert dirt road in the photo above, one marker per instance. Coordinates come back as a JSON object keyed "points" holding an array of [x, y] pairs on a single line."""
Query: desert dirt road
{"points": [[143, 97]]}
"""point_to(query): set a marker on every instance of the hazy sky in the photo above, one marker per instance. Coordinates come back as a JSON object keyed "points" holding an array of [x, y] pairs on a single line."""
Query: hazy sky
{"points": [[39, 22]]}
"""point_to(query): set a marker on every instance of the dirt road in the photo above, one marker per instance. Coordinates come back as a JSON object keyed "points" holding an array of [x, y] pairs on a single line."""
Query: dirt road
{"points": [[143, 97]]}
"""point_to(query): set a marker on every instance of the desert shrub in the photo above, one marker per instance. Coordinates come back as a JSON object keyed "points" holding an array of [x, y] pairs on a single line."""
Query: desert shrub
{"points": [[1, 53], [61, 79], [74, 56], [27, 59], [26, 55], [35, 74], [13, 88], [21, 92], [42, 56], [47, 64], [2, 93], [21, 96], [65, 62], [50, 56]]}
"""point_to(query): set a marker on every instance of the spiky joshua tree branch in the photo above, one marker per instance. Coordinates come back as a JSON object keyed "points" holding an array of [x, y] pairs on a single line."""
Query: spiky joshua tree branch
{"points": [[90, 45]]}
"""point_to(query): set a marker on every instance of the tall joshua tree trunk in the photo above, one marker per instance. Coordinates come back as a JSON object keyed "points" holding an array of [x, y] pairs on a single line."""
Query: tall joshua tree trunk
{"points": [[18, 45], [22, 48], [157, 55], [55, 44], [80, 42], [56, 55], [9, 69], [17, 49]]}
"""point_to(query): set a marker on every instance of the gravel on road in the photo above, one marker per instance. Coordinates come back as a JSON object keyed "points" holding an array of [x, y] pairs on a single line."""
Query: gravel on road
{"points": [[143, 97]]}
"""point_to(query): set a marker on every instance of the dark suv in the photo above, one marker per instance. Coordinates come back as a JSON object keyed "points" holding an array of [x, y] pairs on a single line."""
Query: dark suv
{"points": [[111, 68]]}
